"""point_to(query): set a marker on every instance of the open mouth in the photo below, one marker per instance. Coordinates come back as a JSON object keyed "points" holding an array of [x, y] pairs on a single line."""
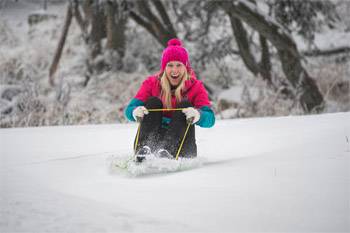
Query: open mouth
{"points": [[174, 76]]}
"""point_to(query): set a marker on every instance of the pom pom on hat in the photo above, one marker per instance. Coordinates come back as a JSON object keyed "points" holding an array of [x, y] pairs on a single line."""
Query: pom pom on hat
{"points": [[175, 52], [174, 42]]}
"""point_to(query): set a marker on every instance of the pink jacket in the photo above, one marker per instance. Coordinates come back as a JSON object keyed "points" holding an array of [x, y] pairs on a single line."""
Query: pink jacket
{"points": [[194, 91]]}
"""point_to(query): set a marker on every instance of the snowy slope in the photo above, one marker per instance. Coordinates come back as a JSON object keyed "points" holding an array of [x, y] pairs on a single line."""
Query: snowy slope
{"points": [[268, 174]]}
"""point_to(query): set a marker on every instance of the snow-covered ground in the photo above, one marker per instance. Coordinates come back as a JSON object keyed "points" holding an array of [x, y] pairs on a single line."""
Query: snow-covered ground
{"points": [[270, 174]]}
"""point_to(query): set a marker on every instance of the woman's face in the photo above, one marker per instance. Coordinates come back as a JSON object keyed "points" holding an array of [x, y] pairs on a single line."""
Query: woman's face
{"points": [[175, 72]]}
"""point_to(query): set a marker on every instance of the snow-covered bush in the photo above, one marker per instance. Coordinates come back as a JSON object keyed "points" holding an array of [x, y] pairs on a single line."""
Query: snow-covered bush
{"points": [[27, 99], [333, 77], [7, 37]]}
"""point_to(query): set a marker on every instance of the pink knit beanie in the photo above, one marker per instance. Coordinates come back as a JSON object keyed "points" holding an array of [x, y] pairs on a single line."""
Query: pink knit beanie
{"points": [[175, 52]]}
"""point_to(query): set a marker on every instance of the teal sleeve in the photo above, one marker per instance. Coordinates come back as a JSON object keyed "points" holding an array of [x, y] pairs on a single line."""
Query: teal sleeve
{"points": [[131, 106], [207, 118]]}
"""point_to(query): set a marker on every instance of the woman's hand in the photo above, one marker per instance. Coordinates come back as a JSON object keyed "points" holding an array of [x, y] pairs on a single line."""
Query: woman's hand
{"points": [[139, 112], [192, 114]]}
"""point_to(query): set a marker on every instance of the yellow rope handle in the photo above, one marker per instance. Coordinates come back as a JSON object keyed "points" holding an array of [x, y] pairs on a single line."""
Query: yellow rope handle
{"points": [[182, 142], [164, 109], [137, 138]]}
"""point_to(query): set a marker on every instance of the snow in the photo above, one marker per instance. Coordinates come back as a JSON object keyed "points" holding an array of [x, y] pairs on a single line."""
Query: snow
{"points": [[326, 40], [263, 174], [262, 11], [151, 165], [236, 94]]}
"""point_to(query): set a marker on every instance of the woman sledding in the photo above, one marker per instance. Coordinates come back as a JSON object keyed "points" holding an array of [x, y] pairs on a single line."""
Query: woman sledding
{"points": [[185, 103]]}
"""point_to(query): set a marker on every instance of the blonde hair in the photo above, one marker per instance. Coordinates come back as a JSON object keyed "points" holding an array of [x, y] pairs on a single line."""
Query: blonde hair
{"points": [[166, 92]]}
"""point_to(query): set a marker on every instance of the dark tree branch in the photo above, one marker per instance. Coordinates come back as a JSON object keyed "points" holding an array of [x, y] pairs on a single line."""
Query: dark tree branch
{"points": [[139, 20], [264, 67], [242, 41], [326, 52], [58, 53], [162, 12], [151, 22], [271, 31]]}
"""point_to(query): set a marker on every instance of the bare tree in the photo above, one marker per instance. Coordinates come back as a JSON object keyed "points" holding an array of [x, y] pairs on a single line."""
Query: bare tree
{"points": [[98, 21], [305, 87]]}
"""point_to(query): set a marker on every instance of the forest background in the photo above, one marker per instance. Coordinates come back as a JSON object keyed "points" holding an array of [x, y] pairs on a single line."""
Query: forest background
{"points": [[81, 61]]}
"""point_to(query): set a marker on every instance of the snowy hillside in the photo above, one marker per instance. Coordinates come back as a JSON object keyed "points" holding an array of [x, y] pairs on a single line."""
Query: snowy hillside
{"points": [[272, 174]]}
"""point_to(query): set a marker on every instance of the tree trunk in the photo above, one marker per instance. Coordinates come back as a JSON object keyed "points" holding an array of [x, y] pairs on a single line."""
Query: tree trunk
{"points": [[309, 94], [115, 27], [80, 20], [305, 87], [265, 62], [58, 53], [97, 29], [87, 9], [93, 27]]}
